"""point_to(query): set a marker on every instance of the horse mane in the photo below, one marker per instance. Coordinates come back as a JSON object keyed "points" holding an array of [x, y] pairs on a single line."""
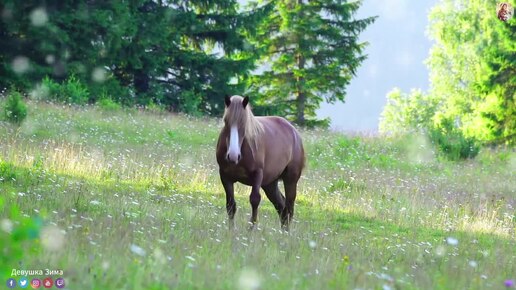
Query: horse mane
{"points": [[243, 117]]}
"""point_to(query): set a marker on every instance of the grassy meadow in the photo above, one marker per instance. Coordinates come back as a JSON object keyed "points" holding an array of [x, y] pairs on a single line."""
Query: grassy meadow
{"points": [[128, 199]]}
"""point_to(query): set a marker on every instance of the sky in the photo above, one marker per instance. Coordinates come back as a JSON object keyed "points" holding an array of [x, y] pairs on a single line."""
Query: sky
{"points": [[398, 47]]}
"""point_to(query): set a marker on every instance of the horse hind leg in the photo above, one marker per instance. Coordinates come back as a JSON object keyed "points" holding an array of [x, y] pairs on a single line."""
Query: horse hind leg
{"points": [[290, 178], [290, 198], [275, 196]]}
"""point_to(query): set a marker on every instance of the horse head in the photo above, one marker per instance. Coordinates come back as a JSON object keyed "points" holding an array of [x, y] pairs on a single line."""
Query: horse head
{"points": [[236, 117]]}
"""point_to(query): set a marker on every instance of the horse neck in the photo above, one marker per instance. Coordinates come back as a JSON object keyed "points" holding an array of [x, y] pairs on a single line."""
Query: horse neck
{"points": [[253, 127]]}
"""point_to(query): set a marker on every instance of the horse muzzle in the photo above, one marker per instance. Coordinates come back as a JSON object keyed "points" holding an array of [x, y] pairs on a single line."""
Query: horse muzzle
{"points": [[233, 157]]}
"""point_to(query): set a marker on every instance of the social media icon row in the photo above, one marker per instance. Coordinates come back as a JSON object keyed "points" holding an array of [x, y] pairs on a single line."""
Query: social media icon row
{"points": [[36, 283]]}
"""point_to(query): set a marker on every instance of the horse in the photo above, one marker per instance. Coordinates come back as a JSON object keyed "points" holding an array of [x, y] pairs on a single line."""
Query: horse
{"points": [[258, 152]]}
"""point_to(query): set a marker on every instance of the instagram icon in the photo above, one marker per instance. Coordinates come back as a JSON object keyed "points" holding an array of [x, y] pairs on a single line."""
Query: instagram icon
{"points": [[35, 283]]}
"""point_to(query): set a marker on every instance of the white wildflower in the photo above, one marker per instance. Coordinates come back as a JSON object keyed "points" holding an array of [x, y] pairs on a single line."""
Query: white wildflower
{"points": [[452, 241], [137, 250], [6, 225], [249, 280], [52, 238]]}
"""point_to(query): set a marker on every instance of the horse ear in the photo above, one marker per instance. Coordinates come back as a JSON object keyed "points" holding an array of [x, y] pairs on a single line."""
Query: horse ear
{"points": [[227, 100], [245, 101]]}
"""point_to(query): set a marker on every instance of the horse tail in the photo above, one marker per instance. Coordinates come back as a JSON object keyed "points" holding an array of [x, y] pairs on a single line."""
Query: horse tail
{"points": [[303, 161], [299, 142]]}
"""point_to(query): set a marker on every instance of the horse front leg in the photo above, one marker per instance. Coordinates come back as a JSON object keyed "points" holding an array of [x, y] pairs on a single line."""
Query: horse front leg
{"points": [[255, 196], [230, 200]]}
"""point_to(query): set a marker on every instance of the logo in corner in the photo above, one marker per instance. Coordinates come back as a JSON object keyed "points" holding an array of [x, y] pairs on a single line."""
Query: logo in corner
{"points": [[24, 282], [35, 283], [504, 11], [60, 283], [11, 283], [48, 283]]}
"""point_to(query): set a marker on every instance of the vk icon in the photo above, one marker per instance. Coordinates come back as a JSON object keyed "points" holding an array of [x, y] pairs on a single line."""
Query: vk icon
{"points": [[11, 283], [23, 283]]}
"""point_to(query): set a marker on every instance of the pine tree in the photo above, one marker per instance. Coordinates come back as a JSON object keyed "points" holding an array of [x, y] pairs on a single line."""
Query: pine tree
{"points": [[310, 51], [211, 50], [181, 54]]}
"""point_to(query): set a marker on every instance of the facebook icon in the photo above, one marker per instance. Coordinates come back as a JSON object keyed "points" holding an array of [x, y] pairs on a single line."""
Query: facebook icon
{"points": [[11, 283]]}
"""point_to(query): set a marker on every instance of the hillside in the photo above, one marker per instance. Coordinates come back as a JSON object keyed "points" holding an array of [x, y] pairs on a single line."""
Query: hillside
{"points": [[125, 199]]}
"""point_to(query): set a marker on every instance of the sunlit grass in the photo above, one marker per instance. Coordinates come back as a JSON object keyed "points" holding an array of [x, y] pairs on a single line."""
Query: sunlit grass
{"points": [[139, 200]]}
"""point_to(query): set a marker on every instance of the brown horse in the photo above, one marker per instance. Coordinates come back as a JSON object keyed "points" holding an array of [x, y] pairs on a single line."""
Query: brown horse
{"points": [[259, 151]]}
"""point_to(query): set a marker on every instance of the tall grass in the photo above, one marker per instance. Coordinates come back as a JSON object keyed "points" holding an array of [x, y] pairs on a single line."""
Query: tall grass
{"points": [[137, 200]]}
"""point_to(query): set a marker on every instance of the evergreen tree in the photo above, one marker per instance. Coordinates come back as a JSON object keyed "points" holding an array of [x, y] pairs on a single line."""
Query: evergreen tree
{"points": [[181, 54], [310, 51], [211, 50]]}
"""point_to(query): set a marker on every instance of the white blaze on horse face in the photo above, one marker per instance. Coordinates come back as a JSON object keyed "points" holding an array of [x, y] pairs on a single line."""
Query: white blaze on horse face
{"points": [[233, 154]]}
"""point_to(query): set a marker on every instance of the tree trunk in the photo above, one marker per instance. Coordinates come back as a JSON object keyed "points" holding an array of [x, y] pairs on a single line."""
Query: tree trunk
{"points": [[300, 93], [141, 82]]}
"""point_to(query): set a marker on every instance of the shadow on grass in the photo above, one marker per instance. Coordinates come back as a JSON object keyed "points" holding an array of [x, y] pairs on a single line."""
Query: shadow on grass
{"points": [[15, 179]]}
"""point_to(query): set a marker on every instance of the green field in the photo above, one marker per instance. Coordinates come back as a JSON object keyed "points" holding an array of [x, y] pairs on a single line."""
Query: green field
{"points": [[131, 200]]}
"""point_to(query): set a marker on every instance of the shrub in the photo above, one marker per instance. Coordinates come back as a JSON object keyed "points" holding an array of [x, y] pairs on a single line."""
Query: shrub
{"points": [[190, 102], [155, 108], [15, 110], [416, 112], [453, 144], [71, 91], [18, 237], [7, 172], [111, 88], [108, 104], [314, 123]]}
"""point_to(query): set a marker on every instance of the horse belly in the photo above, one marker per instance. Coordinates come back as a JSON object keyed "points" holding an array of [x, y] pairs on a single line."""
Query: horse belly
{"points": [[275, 164]]}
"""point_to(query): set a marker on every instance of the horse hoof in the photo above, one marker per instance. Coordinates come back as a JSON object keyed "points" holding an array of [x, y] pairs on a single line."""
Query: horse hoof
{"points": [[251, 226], [285, 227]]}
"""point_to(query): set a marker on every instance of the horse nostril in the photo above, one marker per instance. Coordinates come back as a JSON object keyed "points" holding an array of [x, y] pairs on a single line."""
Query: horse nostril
{"points": [[227, 156], [239, 156]]}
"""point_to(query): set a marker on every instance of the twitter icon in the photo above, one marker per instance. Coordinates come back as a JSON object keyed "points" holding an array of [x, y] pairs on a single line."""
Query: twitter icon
{"points": [[23, 283]]}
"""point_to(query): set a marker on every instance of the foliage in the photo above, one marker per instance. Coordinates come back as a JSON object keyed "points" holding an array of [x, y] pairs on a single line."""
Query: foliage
{"points": [[404, 113], [112, 89], [160, 51], [414, 113], [108, 104], [71, 91], [15, 110], [189, 102], [309, 53], [473, 69], [7, 171], [186, 55], [453, 144], [472, 66], [17, 237]]}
